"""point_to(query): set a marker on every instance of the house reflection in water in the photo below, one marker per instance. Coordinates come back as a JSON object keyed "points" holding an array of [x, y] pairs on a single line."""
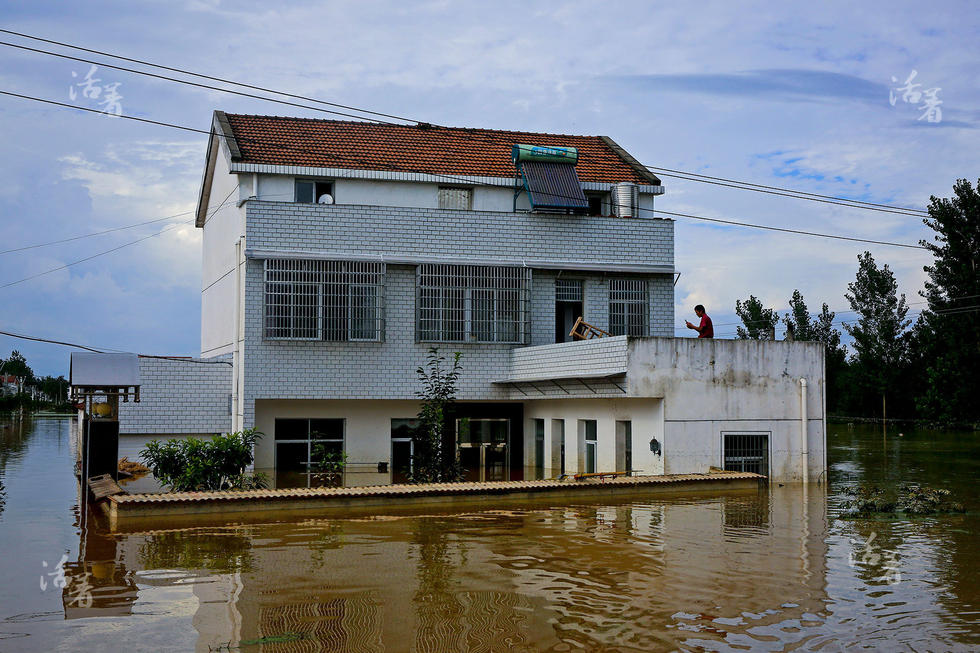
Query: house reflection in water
{"points": [[638, 574]]}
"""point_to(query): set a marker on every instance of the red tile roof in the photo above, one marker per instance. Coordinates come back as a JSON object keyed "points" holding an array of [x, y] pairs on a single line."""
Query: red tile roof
{"points": [[416, 148]]}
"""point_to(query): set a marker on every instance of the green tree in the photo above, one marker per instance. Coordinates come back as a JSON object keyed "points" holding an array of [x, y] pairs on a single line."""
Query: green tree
{"points": [[16, 365], [759, 322], [947, 334], [820, 329], [53, 387], [435, 459], [880, 342], [798, 320]]}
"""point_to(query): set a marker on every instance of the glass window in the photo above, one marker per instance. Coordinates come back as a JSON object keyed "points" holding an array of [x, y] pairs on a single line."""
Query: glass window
{"points": [[310, 191], [296, 439]]}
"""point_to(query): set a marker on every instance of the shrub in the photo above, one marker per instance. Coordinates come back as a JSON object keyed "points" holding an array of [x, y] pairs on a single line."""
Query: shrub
{"points": [[190, 464], [912, 500], [327, 466]]}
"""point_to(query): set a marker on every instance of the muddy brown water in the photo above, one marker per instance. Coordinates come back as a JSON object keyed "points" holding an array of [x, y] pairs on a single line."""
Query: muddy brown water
{"points": [[772, 570]]}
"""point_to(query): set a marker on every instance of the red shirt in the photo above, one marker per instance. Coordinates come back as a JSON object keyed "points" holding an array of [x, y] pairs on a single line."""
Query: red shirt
{"points": [[705, 330]]}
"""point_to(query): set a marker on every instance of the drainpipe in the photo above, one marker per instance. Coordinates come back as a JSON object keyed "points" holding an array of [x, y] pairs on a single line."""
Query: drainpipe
{"points": [[236, 396], [805, 448]]}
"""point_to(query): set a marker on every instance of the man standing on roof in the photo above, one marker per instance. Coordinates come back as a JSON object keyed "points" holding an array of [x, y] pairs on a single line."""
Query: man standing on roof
{"points": [[705, 330]]}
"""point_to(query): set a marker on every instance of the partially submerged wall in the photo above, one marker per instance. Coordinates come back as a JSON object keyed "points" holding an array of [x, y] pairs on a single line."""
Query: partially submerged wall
{"points": [[712, 387]]}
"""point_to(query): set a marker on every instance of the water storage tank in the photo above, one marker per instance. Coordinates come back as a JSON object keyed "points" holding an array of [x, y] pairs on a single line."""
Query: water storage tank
{"points": [[625, 200]]}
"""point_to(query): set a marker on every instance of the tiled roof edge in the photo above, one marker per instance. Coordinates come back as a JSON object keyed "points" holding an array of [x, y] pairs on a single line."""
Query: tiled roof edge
{"points": [[632, 162]]}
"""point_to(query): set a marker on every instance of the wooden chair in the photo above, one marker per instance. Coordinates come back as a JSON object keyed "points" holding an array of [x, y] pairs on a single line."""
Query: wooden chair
{"points": [[582, 330]]}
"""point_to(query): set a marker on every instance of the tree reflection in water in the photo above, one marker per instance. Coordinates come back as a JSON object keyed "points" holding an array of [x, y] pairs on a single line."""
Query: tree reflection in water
{"points": [[450, 619], [221, 551]]}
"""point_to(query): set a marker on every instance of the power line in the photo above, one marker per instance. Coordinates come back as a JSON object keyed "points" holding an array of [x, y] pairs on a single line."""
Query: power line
{"points": [[89, 258], [114, 249], [53, 342], [95, 233], [800, 197], [477, 182], [190, 83], [180, 359], [787, 230], [210, 77], [690, 176], [106, 113], [763, 188]]}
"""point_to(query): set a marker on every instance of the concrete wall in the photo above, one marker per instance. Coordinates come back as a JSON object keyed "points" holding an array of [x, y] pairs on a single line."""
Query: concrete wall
{"points": [[645, 415], [131, 445], [711, 387], [224, 225]]}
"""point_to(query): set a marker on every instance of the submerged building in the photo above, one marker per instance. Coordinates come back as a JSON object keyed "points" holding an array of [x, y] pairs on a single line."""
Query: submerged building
{"points": [[337, 254]]}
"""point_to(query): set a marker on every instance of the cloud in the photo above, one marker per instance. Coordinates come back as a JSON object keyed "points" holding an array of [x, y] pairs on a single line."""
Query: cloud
{"points": [[795, 96], [787, 85]]}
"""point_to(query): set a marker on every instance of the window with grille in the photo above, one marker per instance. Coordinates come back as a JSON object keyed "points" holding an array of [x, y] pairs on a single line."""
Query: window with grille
{"points": [[746, 452], [461, 303], [324, 300], [568, 290], [455, 198], [629, 307]]}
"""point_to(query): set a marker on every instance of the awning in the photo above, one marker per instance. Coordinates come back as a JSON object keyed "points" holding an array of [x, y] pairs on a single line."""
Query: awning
{"points": [[104, 370]]}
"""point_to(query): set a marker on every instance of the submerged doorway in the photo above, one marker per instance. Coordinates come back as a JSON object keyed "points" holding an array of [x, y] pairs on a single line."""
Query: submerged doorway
{"points": [[482, 444]]}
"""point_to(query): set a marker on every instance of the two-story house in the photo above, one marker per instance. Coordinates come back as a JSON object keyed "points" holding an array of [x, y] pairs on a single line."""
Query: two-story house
{"points": [[336, 254]]}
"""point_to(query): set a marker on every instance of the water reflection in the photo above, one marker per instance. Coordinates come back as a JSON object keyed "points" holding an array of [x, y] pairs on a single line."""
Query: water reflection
{"points": [[97, 584], [769, 570]]}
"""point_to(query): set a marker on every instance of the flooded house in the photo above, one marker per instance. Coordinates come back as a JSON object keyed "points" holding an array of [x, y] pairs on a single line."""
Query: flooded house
{"points": [[336, 254]]}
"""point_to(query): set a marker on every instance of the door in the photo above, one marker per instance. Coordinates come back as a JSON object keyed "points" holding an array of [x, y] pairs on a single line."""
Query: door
{"points": [[482, 445], [402, 449], [569, 306], [538, 449]]}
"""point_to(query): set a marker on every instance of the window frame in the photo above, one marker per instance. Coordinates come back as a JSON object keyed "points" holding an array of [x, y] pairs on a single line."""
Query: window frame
{"points": [[309, 440], [282, 278], [468, 303], [604, 202], [316, 182], [765, 460], [619, 306]]}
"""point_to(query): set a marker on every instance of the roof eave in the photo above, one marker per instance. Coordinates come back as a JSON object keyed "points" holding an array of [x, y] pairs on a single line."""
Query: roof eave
{"points": [[637, 167], [220, 132]]}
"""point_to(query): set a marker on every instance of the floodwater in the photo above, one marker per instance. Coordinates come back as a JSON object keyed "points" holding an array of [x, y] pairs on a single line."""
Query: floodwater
{"points": [[770, 571]]}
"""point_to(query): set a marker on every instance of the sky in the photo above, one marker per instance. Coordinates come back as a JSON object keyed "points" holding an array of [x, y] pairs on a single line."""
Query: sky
{"points": [[777, 94]]}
